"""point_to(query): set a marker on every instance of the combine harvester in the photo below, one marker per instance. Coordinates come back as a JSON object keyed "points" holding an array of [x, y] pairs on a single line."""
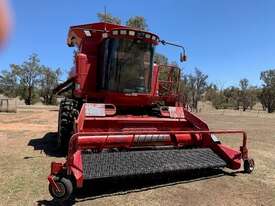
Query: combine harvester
{"points": [[124, 117]]}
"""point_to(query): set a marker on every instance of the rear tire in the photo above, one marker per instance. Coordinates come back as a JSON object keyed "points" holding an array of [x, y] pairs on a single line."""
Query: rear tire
{"points": [[66, 189], [68, 112]]}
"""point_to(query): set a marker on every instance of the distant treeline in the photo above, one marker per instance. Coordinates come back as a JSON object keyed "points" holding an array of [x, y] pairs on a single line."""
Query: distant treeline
{"points": [[195, 87], [30, 81]]}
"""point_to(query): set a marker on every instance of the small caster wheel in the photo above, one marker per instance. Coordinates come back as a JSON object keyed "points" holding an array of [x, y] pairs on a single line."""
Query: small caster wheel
{"points": [[66, 188], [248, 165]]}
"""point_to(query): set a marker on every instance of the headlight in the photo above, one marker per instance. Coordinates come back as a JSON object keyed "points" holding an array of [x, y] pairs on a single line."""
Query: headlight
{"points": [[131, 33], [123, 32], [115, 32]]}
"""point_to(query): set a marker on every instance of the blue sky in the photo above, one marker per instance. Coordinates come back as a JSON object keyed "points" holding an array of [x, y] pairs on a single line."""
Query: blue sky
{"points": [[227, 39]]}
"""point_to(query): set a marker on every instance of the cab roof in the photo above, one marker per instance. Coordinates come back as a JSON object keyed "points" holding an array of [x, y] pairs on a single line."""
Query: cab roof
{"points": [[79, 32]]}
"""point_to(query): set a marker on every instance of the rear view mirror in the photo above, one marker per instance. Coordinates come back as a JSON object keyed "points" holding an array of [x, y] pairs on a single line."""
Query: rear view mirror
{"points": [[183, 57]]}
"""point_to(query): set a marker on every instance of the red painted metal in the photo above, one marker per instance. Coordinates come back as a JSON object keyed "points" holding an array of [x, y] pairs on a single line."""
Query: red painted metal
{"points": [[231, 156], [74, 164], [100, 140], [56, 168]]}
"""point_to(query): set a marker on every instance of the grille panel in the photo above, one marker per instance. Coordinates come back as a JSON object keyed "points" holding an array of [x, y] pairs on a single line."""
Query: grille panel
{"points": [[119, 164]]}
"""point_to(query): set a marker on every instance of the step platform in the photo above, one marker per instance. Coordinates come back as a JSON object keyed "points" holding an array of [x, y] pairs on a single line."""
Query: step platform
{"points": [[148, 162]]}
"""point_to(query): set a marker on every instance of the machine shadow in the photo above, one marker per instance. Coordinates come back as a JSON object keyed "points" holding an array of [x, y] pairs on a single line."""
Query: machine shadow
{"points": [[101, 188], [47, 144], [96, 189]]}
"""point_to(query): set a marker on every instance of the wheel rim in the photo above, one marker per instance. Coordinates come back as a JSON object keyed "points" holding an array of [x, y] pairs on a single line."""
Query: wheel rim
{"points": [[60, 193]]}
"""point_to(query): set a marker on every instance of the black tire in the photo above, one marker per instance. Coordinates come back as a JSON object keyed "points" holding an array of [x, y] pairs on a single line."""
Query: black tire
{"points": [[68, 112], [66, 188], [248, 165]]}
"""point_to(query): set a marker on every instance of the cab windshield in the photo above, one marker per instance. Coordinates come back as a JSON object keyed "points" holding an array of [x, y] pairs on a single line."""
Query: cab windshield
{"points": [[125, 65]]}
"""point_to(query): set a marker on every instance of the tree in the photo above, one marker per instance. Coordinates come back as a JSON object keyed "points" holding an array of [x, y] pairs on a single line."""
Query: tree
{"points": [[108, 18], [8, 84], [160, 59], [49, 80], [244, 98], [28, 76], [210, 92], [267, 99], [197, 85], [232, 97], [137, 22], [253, 92], [267, 96], [184, 90], [30, 81], [216, 96], [219, 101]]}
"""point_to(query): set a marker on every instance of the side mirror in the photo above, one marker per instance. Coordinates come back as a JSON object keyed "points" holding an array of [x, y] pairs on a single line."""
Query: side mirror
{"points": [[183, 57]]}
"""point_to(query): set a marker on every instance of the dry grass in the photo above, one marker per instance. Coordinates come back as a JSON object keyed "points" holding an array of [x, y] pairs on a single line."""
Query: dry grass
{"points": [[23, 179]]}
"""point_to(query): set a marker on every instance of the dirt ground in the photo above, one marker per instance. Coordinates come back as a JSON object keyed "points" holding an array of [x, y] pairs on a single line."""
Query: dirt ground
{"points": [[26, 152]]}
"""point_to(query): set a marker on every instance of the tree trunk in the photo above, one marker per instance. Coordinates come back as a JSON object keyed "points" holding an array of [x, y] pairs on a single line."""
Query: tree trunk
{"points": [[29, 98], [196, 105], [270, 108]]}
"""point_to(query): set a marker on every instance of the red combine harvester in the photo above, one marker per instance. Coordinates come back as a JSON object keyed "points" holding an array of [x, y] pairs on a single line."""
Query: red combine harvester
{"points": [[124, 117]]}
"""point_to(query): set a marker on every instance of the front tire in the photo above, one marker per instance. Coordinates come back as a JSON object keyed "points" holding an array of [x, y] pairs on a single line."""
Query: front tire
{"points": [[68, 112], [66, 189], [249, 165]]}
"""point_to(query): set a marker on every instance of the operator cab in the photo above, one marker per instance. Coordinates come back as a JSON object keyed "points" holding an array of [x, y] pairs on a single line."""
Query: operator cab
{"points": [[125, 61], [114, 64]]}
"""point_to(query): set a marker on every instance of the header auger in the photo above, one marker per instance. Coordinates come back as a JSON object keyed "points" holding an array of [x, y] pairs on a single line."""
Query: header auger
{"points": [[124, 116]]}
